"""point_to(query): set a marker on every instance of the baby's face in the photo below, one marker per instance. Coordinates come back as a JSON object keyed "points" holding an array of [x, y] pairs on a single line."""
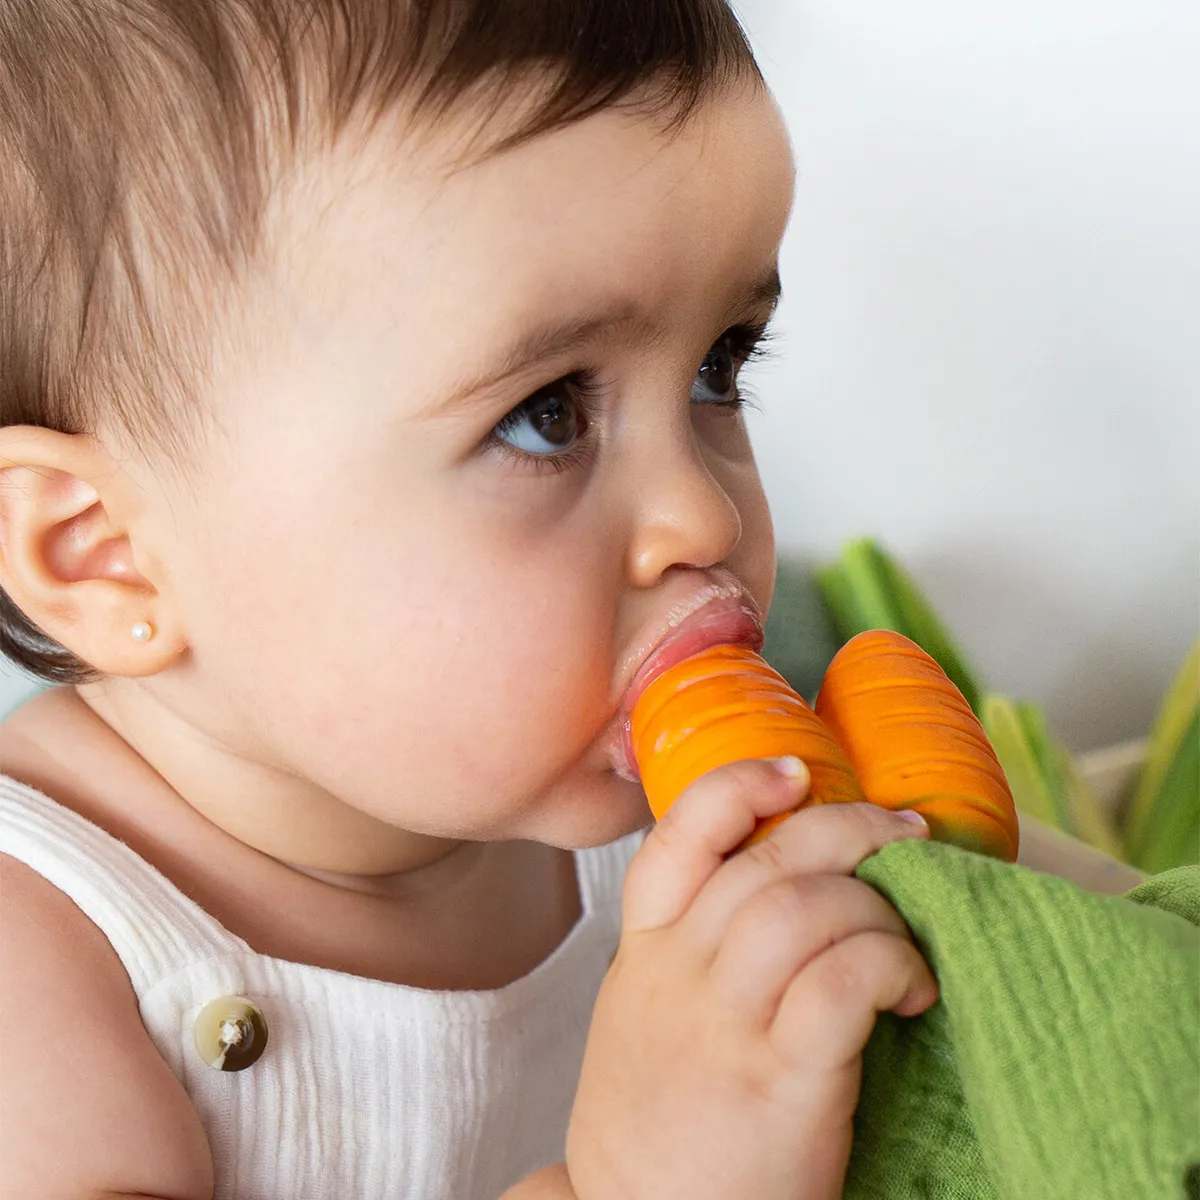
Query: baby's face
{"points": [[468, 462]]}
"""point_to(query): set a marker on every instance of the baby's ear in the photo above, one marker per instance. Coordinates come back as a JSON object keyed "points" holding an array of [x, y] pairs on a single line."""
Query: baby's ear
{"points": [[68, 521]]}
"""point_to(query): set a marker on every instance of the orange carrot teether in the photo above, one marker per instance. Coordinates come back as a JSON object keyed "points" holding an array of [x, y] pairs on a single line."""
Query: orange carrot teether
{"points": [[888, 727], [726, 704]]}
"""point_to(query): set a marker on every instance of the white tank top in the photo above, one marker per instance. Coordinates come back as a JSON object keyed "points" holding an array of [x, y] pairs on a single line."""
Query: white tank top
{"points": [[365, 1090]]}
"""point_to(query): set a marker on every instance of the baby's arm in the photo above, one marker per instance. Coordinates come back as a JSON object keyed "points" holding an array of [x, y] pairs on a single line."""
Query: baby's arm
{"points": [[551, 1184], [88, 1108]]}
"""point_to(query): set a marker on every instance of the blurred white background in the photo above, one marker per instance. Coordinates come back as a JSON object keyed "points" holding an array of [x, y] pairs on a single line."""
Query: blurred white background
{"points": [[990, 338], [990, 350]]}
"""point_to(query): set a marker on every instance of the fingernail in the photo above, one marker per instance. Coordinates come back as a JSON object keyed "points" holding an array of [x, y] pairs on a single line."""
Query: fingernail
{"points": [[790, 766], [909, 814]]}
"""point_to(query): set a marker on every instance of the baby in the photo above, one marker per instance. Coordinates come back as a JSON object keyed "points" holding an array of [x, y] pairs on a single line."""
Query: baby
{"points": [[370, 425]]}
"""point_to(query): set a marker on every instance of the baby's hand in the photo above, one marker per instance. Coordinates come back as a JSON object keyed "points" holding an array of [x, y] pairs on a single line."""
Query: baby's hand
{"points": [[724, 1057]]}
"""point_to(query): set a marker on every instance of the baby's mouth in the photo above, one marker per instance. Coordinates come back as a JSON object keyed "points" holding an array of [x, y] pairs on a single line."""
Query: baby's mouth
{"points": [[723, 621]]}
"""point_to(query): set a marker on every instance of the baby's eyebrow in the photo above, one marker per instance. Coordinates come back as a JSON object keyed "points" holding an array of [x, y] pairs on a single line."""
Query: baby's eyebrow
{"points": [[562, 334], [763, 292], [549, 340]]}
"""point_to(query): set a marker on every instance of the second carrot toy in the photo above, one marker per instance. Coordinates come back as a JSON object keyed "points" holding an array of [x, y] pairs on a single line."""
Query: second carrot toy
{"points": [[889, 727]]}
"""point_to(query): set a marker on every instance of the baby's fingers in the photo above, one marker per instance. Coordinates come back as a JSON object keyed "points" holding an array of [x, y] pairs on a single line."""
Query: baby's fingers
{"points": [[827, 839], [827, 1014], [786, 925], [714, 816]]}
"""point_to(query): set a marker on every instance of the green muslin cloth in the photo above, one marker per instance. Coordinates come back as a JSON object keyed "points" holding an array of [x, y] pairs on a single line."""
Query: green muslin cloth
{"points": [[1062, 1061]]}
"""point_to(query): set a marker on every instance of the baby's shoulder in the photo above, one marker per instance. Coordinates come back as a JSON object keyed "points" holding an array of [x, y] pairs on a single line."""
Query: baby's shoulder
{"points": [[87, 1104], [85, 1095], [44, 935]]}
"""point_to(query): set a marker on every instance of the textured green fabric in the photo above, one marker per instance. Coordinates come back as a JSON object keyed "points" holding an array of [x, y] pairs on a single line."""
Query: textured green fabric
{"points": [[1173, 891], [1062, 1061]]}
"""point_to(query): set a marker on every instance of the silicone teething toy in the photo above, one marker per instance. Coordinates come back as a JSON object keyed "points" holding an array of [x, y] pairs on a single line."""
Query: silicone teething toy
{"points": [[888, 727]]}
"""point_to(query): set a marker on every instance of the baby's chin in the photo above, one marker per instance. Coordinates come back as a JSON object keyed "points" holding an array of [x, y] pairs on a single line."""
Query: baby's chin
{"points": [[590, 810]]}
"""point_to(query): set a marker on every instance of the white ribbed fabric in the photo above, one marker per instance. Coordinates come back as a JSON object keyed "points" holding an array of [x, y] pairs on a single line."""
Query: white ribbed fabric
{"points": [[366, 1090]]}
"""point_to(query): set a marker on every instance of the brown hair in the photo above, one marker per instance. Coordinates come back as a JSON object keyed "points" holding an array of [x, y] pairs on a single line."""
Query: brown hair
{"points": [[135, 138]]}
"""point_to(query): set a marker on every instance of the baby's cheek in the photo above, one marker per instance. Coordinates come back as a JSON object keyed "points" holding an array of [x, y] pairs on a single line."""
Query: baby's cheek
{"points": [[517, 705], [754, 558]]}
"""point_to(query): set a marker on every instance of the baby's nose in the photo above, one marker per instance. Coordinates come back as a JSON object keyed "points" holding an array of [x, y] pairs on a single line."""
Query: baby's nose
{"points": [[684, 517]]}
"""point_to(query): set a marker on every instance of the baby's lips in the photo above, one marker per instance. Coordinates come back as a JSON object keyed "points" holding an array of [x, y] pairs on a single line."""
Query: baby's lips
{"points": [[726, 622], [621, 754], [723, 622]]}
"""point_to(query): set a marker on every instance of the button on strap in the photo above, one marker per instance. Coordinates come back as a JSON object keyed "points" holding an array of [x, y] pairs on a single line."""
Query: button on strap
{"points": [[230, 1033]]}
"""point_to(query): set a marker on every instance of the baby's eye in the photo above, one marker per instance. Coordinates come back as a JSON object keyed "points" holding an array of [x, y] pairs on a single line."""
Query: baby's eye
{"points": [[550, 422], [716, 381]]}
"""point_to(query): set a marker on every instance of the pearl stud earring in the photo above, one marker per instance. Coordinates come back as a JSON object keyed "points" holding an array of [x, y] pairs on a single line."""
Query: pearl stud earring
{"points": [[143, 631]]}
